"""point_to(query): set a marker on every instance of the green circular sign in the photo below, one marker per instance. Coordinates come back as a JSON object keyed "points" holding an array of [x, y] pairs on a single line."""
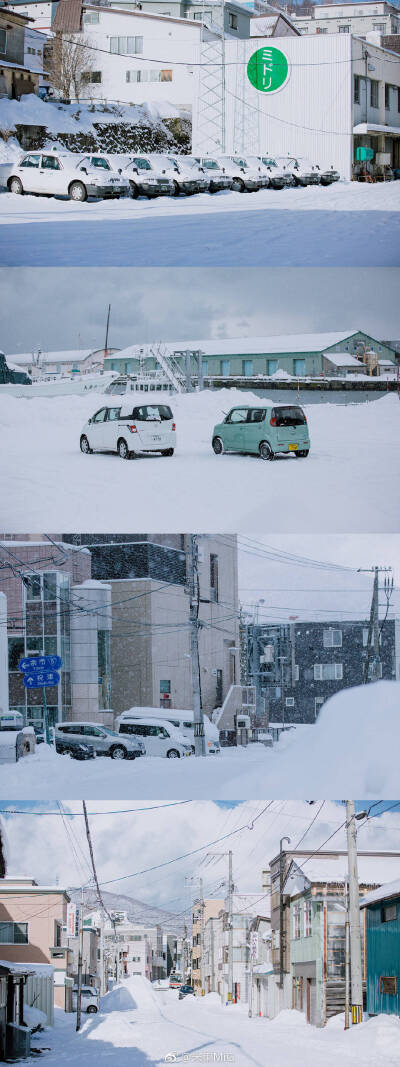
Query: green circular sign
{"points": [[268, 70]]}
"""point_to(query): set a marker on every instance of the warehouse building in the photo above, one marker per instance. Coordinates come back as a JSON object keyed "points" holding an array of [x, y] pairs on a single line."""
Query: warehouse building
{"points": [[320, 97]]}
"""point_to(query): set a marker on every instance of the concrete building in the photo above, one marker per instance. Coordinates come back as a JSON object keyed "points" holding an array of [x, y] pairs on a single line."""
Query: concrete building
{"points": [[54, 608], [17, 77], [132, 947], [319, 96], [32, 918], [299, 355], [150, 641], [203, 912], [372, 16]]}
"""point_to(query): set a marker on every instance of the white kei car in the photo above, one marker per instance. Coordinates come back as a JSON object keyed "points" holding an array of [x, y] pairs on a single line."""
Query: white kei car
{"points": [[130, 429], [60, 174]]}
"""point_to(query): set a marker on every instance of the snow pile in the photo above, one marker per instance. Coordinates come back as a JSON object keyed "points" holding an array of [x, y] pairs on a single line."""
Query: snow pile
{"points": [[121, 998], [78, 117], [33, 1017]]}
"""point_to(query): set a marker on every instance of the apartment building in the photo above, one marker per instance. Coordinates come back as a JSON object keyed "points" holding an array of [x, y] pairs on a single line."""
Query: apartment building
{"points": [[203, 911], [32, 918], [372, 16], [134, 949]]}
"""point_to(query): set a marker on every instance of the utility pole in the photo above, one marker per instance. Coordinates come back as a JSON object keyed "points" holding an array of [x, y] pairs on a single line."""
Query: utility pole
{"points": [[283, 661], [80, 961], [373, 636], [102, 974], [230, 930], [194, 593], [281, 913], [201, 937], [347, 962], [354, 917]]}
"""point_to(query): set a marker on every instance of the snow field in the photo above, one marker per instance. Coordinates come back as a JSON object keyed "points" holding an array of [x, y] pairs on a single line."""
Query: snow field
{"points": [[347, 484], [346, 749]]}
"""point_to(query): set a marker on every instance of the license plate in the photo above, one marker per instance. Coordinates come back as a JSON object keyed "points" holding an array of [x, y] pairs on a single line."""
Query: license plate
{"points": [[155, 438], [293, 448]]}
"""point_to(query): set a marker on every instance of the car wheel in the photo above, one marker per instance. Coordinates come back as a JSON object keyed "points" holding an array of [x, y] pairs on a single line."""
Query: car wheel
{"points": [[84, 445], [134, 190], [16, 186], [238, 185], [77, 191], [218, 446], [173, 754], [176, 189], [167, 452], [91, 1010], [266, 450], [118, 752], [302, 453], [123, 450]]}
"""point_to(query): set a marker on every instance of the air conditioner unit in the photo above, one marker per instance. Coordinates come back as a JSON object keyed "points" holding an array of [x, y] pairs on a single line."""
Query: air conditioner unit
{"points": [[18, 1042]]}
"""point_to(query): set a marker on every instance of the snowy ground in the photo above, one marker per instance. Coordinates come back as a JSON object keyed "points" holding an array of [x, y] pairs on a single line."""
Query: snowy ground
{"points": [[142, 1026], [348, 224], [347, 484], [344, 751]]}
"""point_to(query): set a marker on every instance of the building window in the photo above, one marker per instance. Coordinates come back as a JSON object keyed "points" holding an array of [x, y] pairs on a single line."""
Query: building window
{"points": [[3, 42], [233, 21], [272, 366], [307, 918], [225, 367], [57, 935], [379, 27], [289, 702], [318, 702], [388, 985], [387, 97], [92, 76], [374, 93], [247, 368], [357, 82], [213, 578], [166, 76], [126, 46], [13, 933], [328, 672], [388, 913], [365, 637], [344, 29], [33, 588], [91, 17], [296, 921], [332, 638], [299, 367]]}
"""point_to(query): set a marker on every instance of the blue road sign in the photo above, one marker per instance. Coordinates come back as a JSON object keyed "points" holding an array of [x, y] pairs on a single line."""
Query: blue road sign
{"points": [[40, 663], [39, 679]]}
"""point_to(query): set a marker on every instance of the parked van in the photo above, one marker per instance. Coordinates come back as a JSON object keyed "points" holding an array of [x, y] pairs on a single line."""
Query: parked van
{"points": [[159, 736], [90, 1001], [264, 431], [182, 720], [130, 429]]}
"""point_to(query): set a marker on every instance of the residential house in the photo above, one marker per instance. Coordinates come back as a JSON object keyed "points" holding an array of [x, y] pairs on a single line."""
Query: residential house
{"points": [[214, 965], [381, 909], [260, 964], [203, 910], [17, 77], [32, 918]]}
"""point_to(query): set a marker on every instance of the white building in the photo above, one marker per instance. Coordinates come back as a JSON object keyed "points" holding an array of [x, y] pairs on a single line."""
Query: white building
{"points": [[39, 11], [359, 19], [319, 97], [141, 57], [34, 50]]}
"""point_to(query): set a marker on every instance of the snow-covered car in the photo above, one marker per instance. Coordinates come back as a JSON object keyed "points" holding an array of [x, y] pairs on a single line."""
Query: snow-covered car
{"points": [[160, 737], [89, 999], [185, 178], [244, 177], [104, 166], [217, 177], [145, 177], [130, 429], [105, 742], [303, 172], [258, 165], [279, 176], [58, 174], [186, 991], [329, 176]]}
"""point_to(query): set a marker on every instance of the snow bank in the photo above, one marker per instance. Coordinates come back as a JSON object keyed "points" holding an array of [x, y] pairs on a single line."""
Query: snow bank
{"points": [[34, 1017], [79, 118]]}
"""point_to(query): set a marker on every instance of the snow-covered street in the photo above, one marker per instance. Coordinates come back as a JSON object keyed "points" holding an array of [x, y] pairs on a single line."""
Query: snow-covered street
{"points": [[345, 485], [142, 1025], [346, 225], [312, 754]]}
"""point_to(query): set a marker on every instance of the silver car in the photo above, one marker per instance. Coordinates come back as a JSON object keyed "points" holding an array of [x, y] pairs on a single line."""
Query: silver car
{"points": [[105, 742]]}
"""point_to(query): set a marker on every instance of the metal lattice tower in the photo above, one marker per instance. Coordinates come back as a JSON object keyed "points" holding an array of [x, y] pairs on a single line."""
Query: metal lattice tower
{"points": [[246, 122], [211, 132]]}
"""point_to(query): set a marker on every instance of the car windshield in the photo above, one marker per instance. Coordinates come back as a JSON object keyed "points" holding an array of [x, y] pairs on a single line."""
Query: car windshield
{"points": [[117, 387], [98, 161], [239, 162], [289, 416], [141, 164], [269, 162], [153, 413], [210, 164]]}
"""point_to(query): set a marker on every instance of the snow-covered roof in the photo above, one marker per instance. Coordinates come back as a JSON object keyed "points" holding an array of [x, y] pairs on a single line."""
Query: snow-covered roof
{"points": [[27, 968], [333, 870], [385, 892], [344, 359], [307, 342], [73, 356]]}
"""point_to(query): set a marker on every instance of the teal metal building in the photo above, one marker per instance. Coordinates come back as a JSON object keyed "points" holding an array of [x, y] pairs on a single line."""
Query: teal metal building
{"points": [[382, 908], [299, 355]]}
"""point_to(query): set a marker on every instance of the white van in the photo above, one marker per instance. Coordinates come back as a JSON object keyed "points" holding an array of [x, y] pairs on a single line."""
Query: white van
{"points": [[159, 736], [182, 721], [90, 1001]]}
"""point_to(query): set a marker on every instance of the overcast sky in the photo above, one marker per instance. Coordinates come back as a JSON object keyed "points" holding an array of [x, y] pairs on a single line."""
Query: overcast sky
{"points": [[67, 308], [40, 847]]}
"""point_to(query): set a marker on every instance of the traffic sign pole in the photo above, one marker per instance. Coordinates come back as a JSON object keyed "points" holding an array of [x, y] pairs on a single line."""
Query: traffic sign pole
{"points": [[45, 717]]}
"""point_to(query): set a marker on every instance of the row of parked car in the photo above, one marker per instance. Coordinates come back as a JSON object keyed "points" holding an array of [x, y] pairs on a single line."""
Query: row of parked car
{"points": [[158, 733], [54, 173], [129, 430]]}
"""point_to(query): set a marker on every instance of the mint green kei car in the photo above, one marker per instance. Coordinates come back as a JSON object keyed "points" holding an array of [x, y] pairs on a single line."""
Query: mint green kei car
{"points": [[264, 431]]}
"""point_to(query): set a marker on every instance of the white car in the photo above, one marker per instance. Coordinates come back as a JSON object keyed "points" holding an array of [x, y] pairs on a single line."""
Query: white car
{"points": [[57, 174], [217, 177], [145, 177], [185, 179], [89, 999], [159, 736], [182, 720], [303, 172], [105, 742], [244, 178], [280, 177], [130, 429]]}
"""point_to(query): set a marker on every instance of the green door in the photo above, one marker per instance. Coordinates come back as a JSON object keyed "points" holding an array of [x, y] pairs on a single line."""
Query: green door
{"points": [[254, 431], [234, 430]]}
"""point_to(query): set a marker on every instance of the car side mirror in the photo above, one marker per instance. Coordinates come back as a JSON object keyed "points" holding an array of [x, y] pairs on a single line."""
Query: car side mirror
{"points": [[119, 170], [84, 169], [223, 170]]}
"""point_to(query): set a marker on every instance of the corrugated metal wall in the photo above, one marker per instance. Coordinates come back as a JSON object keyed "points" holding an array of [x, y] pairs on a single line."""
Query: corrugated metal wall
{"points": [[383, 960], [39, 993]]}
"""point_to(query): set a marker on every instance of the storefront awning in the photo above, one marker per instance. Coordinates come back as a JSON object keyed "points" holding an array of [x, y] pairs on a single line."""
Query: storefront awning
{"points": [[371, 127]]}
